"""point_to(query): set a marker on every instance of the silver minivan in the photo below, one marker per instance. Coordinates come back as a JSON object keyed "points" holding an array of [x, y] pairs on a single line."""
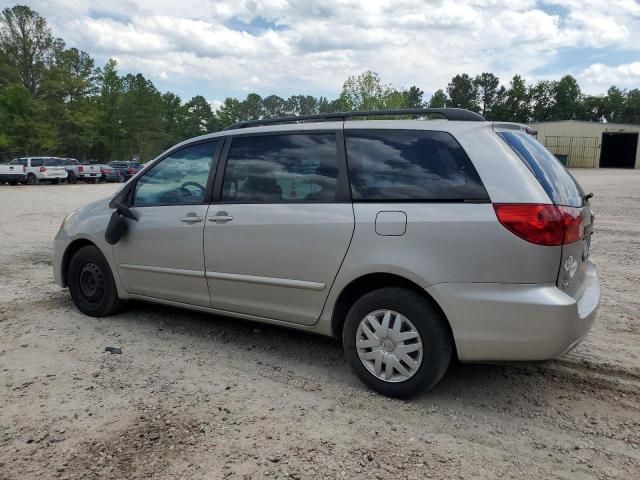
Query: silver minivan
{"points": [[411, 241]]}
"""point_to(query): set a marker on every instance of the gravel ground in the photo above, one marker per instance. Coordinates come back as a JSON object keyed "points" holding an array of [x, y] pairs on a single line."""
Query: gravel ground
{"points": [[195, 396]]}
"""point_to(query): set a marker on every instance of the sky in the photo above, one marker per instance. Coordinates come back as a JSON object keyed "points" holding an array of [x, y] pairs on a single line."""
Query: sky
{"points": [[229, 48]]}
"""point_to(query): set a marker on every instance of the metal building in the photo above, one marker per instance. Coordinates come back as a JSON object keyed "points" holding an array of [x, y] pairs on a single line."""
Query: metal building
{"points": [[590, 144]]}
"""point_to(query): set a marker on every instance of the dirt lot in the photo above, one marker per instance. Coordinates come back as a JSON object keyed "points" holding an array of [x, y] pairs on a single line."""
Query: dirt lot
{"points": [[196, 396]]}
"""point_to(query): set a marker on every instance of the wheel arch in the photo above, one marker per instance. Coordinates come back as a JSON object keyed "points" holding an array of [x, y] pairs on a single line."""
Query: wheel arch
{"points": [[70, 251], [373, 281]]}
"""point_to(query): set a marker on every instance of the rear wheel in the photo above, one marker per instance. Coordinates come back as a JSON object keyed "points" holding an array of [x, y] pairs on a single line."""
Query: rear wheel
{"points": [[397, 342], [32, 179], [72, 178], [91, 283]]}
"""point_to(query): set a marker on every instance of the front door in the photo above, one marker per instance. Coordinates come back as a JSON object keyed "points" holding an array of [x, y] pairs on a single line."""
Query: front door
{"points": [[161, 254], [276, 237]]}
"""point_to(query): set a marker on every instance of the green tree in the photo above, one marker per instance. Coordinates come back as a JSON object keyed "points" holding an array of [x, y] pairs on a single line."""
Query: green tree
{"points": [[141, 118], [463, 93], [174, 118], [229, 113], [252, 108], [566, 99], [438, 99], [110, 99], [614, 104], [363, 92], [273, 106], [26, 43], [631, 110], [198, 116], [513, 104], [413, 97], [541, 96], [487, 89]]}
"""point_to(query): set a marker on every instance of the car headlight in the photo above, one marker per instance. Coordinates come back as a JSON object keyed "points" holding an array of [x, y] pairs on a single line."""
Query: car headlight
{"points": [[66, 219]]}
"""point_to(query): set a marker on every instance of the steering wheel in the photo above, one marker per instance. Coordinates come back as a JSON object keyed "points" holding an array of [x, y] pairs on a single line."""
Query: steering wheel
{"points": [[192, 184]]}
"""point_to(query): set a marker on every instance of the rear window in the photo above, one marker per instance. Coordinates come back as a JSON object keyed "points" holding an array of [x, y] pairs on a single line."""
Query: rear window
{"points": [[36, 162], [54, 162], [554, 178], [406, 165]]}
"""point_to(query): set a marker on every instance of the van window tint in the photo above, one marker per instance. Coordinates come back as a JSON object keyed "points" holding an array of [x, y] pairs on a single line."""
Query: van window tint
{"points": [[282, 168], [406, 165], [556, 180], [36, 162]]}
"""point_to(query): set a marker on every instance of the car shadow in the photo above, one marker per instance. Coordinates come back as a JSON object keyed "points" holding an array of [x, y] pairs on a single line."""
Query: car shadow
{"points": [[321, 359]]}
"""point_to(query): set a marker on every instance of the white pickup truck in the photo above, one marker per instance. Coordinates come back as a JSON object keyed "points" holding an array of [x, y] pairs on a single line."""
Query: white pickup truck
{"points": [[92, 172], [12, 174]]}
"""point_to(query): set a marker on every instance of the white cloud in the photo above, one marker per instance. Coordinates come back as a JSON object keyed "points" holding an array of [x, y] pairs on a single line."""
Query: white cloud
{"points": [[602, 76], [311, 46]]}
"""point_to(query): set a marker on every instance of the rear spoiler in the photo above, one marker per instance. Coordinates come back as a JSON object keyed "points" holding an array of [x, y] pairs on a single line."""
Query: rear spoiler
{"points": [[514, 126]]}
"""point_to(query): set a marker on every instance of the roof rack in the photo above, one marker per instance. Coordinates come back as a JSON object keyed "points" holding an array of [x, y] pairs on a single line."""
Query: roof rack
{"points": [[459, 114]]}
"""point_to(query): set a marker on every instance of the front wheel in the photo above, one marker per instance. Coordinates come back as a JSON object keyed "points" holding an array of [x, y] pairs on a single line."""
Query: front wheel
{"points": [[91, 283], [397, 342]]}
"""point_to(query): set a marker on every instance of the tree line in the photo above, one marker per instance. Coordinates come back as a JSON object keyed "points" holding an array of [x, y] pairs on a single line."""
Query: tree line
{"points": [[54, 100]]}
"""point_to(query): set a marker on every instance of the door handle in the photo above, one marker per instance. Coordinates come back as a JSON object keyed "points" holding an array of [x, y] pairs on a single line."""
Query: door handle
{"points": [[221, 217], [191, 218]]}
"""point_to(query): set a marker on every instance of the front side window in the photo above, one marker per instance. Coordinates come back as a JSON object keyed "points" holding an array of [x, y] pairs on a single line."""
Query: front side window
{"points": [[406, 165], [178, 179], [282, 168]]}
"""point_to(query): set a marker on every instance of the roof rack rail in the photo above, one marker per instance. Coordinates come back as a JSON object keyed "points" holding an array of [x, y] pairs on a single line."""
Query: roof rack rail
{"points": [[459, 114]]}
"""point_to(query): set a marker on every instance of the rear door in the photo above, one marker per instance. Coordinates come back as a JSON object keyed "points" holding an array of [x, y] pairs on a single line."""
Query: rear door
{"points": [[564, 191], [161, 255], [281, 226]]}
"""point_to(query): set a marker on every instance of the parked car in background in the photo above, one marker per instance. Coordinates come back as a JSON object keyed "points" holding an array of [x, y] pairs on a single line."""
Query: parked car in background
{"points": [[92, 172], [42, 169], [73, 169], [12, 174], [113, 175], [412, 241], [125, 169]]}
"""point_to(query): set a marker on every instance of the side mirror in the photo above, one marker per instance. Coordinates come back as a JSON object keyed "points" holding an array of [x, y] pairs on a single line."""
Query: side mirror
{"points": [[116, 229]]}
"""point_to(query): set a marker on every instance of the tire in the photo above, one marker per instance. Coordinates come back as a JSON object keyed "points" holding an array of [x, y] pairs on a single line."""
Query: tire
{"points": [[91, 283], [32, 179], [418, 315], [72, 178]]}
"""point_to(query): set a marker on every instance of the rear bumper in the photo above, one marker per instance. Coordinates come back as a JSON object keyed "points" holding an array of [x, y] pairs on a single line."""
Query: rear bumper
{"points": [[517, 322]]}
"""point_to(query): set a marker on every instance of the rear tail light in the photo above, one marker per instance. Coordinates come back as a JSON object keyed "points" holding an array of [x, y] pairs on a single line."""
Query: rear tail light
{"points": [[131, 171], [43, 169], [80, 169], [541, 224]]}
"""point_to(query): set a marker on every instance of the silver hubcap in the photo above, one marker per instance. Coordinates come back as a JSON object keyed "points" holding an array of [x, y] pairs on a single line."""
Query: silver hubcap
{"points": [[389, 345]]}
